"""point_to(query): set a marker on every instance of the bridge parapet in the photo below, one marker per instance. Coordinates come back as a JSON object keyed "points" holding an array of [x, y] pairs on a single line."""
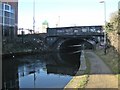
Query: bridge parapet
{"points": [[75, 31]]}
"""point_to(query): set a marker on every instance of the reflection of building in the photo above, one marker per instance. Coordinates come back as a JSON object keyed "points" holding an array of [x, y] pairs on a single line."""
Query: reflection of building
{"points": [[44, 26], [9, 18], [9, 75]]}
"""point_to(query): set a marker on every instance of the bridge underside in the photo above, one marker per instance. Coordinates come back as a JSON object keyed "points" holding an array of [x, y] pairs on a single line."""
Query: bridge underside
{"points": [[75, 45]]}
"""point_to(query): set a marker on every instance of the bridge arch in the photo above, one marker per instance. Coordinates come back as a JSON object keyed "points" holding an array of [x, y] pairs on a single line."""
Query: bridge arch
{"points": [[73, 44]]}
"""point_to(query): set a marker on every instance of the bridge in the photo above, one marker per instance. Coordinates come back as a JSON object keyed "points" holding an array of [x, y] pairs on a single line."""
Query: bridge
{"points": [[68, 36]]}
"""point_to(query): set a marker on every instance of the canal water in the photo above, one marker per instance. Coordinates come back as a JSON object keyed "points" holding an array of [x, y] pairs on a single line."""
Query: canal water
{"points": [[53, 70]]}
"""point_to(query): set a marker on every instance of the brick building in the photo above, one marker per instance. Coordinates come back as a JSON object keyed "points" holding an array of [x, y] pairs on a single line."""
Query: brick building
{"points": [[9, 19]]}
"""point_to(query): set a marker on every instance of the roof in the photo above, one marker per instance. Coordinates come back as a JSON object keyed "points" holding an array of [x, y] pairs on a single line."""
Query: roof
{"points": [[45, 22]]}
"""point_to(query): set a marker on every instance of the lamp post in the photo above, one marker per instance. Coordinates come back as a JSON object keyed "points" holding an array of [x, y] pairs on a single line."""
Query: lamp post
{"points": [[33, 16], [104, 25]]}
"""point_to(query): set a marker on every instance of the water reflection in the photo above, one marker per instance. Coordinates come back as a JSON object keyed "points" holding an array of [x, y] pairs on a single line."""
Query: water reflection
{"points": [[66, 64], [40, 71]]}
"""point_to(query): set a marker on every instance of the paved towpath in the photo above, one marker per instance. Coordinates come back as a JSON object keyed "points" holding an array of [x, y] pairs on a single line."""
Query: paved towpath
{"points": [[100, 74]]}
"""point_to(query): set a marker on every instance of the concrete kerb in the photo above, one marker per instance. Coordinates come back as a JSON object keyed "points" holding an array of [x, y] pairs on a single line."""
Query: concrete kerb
{"points": [[83, 66], [75, 81], [83, 62]]}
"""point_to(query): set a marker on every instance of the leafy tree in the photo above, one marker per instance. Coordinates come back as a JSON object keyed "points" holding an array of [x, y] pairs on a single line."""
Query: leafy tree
{"points": [[112, 25]]}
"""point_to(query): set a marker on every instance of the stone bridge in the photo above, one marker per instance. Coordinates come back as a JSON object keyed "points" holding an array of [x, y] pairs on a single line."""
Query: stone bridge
{"points": [[64, 37]]}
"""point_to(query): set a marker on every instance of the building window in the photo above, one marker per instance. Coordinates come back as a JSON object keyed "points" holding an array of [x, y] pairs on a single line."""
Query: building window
{"points": [[12, 15], [6, 21], [12, 22], [6, 31], [12, 10], [7, 7], [7, 14], [1, 13], [0, 20], [0, 6]]}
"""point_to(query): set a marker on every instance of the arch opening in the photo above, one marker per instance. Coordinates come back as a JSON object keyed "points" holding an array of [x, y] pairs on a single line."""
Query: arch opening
{"points": [[75, 45]]}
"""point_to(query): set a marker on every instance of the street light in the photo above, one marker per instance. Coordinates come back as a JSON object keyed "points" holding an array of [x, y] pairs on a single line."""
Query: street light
{"points": [[34, 16], [104, 24]]}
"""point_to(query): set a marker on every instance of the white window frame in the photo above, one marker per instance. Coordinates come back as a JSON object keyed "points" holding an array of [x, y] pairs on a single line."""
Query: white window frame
{"points": [[8, 6]]}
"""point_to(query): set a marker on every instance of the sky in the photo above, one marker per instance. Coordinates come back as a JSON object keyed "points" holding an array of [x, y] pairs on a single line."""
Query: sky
{"points": [[66, 12]]}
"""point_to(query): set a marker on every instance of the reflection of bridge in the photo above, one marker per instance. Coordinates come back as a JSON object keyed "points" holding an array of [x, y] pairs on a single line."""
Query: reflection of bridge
{"points": [[57, 36]]}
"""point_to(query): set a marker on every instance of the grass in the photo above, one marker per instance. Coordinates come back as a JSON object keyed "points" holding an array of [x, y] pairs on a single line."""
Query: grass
{"points": [[111, 58], [87, 71], [84, 80]]}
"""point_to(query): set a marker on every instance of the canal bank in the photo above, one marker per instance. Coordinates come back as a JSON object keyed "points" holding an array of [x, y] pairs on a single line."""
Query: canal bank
{"points": [[28, 45], [81, 77], [98, 75]]}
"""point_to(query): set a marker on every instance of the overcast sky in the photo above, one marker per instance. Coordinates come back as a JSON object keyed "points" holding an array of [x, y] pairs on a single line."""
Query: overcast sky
{"points": [[71, 12]]}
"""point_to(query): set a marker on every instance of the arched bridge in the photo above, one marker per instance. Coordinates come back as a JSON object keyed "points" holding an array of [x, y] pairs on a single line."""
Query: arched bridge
{"points": [[78, 34]]}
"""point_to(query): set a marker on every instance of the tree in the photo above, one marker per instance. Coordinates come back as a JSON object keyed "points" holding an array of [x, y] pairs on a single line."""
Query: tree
{"points": [[112, 25]]}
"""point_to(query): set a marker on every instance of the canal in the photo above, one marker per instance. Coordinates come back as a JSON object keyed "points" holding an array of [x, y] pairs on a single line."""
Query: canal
{"points": [[53, 70]]}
